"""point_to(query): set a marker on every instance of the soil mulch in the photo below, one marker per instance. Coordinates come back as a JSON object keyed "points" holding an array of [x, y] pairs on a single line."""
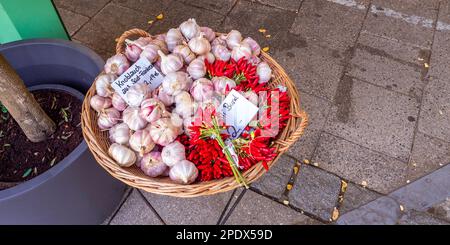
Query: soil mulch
{"points": [[21, 159]]}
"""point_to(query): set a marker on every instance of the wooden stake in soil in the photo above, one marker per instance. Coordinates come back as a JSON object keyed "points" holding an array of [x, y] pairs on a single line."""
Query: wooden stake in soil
{"points": [[22, 106]]}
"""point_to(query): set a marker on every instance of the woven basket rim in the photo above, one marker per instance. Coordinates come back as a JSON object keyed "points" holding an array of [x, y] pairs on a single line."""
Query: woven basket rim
{"points": [[97, 141]]}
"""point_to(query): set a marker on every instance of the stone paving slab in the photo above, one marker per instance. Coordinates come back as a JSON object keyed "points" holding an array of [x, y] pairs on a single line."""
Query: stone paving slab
{"points": [[360, 165], [428, 154], [292, 5], [314, 69], [356, 196], [441, 210], [222, 7], [135, 211], [84, 7], [328, 23], [315, 191], [189, 211], [72, 21], [413, 217], [273, 183], [149, 8], [382, 211], [374, 117], [317, 110], [248, 18]]}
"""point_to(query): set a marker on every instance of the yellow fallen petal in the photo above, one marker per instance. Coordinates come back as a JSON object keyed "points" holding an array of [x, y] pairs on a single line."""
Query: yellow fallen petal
{"points": [[286, 202], [364, 183], [316, 164], [150, 22], [306, 161], [426, 65], [262, 30], [335, 214], [266, 49], [343, 186], [295, 170], [160, 16], [289, 187]]}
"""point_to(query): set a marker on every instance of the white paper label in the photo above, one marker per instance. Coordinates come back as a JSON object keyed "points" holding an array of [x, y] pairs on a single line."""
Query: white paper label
{"points": [[237, 112], [140, 72]]}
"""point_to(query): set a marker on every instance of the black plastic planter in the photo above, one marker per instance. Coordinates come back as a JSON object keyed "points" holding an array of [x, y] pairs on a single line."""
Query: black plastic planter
{"points": [[76, 190]]}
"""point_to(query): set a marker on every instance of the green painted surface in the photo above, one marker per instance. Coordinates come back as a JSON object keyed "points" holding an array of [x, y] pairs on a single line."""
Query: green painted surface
{"points": [[25, 19]]}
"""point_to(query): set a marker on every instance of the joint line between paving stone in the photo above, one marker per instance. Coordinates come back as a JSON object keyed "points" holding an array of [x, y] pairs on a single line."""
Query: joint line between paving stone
{"points": [[127, 195], [228, 13], [238, 200], [91, 18], [151, 207], [272, 6]]}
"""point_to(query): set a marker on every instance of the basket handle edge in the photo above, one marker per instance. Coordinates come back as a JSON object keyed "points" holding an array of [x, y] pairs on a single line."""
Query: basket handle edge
{"points": [[133, 32]]}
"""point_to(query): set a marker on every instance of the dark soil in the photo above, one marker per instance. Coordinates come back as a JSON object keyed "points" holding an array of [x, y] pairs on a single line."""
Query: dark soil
{"points": [[21, 159]]}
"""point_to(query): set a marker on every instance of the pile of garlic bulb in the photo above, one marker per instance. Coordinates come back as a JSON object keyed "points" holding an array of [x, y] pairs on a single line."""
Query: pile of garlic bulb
{"points": [[144, 130]]}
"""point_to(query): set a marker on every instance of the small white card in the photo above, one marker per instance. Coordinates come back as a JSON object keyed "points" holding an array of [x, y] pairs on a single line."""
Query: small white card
{"points": [[140, 72], [237, 112]]}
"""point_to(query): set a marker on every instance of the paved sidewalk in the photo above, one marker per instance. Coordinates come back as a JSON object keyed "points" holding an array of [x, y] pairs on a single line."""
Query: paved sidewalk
{"points": [[374, 76]]}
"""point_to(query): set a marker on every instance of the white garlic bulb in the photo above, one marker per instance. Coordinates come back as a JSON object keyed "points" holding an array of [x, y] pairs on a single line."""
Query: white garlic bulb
{"points": [[184, 104], [165, 98], [151, 109], [220, 40], [254, 60], [161, 44], [183, 172], [177, 121], [190, 29], [173, 153], [120, 134], [175, 82], [200, 45], [151, 52], [132, 118], [264, 72], [117, 64], [137, 93], [141, 141], [103, 84], [242, 50], [185, 52], [209, 33], [208, 57], [170, 63], [152, 165], [123, 156], [221, 53], [234, 38], [202, 89], [197, 68], [99, 103], [163, 132], [108, 118], [221, 83], [173, 39], [161, 37], [118, 102], [132, 52], [256, 49], [251, 96]]}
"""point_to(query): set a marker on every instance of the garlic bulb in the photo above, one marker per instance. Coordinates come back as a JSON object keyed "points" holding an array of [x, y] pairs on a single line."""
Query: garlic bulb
{"points": [[188, 122], [185, 52], [161, 44], [141, 141], [161, 37], [221, 53], [175, 82], [254, 60], [152, 164], [103, 84], [170, 63], [165, 98], [122, 155], [173, 153], [118, 102], [208, 57], [202, 89], [151, 52], [197, 68], [137, 93], [183, 172], [241, 50], [190, 29], [174, 38], [117, 64], [151, 109], [264, 72], [200, 45], [132, 118], [184, 104], [209, 33], [108, 118], [234, 38], [251, 96], [220, 40], [163, 132], [120, 134], [99, 103], [132, 52], [221, 83], [254, 46]]}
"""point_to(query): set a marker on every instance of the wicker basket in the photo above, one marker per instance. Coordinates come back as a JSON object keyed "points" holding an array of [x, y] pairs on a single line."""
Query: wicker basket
{"points": [[98, 141]]}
